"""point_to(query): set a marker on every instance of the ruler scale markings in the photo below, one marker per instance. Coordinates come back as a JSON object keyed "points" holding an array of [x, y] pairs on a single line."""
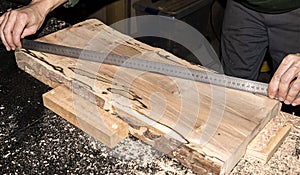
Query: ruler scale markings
{"points": [[149, 66]]}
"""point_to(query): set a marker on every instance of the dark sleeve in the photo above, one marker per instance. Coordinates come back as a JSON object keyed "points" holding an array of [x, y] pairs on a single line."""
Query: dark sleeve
{"points": [[71, 3]]}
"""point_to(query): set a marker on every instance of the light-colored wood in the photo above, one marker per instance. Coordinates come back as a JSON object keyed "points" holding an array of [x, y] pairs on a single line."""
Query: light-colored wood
{"points": [[205, 127], [92, 119], [263, 146]]}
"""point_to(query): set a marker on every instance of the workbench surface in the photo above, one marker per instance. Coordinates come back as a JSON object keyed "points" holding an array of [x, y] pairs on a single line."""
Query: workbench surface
{"points": [[34, 140]]}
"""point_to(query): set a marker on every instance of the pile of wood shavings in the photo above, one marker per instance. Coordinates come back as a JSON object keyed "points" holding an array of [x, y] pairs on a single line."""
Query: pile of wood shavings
{"points": [[266, 134], [286, 160]]}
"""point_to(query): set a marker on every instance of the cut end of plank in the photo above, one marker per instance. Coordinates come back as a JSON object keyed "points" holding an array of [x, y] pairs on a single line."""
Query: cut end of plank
{"points": [[90, 118]]}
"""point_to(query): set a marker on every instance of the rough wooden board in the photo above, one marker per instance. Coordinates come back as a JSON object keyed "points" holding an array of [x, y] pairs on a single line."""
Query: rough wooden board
{"points": [[285, 160], [180, 110], [263, 146], [92, 119]]}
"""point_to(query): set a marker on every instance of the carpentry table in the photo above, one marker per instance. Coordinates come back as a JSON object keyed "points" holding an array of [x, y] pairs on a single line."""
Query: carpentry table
{"points": [[35, 140]]}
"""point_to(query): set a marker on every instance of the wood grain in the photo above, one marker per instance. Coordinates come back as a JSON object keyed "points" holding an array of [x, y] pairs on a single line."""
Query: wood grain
{"points": [[92, 119], [209, 126], [263, 146]]}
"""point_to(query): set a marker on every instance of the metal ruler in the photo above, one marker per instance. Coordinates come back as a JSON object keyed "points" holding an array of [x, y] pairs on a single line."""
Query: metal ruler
{"points": [[149, 66]]}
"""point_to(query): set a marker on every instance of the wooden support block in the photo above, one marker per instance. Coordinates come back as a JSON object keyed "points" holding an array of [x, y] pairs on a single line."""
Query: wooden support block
{"points": [[90, 118], [263, 146], [205, 127]]}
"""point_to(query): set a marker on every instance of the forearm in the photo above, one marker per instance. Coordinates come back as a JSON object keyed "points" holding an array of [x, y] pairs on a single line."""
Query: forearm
{"points": [[46, 6]]}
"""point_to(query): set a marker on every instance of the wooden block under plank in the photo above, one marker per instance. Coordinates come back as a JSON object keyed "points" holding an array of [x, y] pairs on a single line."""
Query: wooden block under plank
{"points": [[98, 123], [262, 152]]}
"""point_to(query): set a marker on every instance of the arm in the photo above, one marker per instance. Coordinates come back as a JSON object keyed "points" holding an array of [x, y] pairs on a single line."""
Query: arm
{"points": [[285, 84], [19, 23]]}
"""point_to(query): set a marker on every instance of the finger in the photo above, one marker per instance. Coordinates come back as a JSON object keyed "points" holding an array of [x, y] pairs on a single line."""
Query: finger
{"points": [[275, 81], [1, 19], [8, 29], [293, 91], [274, 85], [6, 15], [18, 30], [296, 102], [285, 82]]}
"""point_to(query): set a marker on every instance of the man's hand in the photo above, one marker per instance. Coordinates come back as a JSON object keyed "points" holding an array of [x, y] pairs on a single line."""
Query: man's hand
{"points": [[285, 84], [19, 23]]}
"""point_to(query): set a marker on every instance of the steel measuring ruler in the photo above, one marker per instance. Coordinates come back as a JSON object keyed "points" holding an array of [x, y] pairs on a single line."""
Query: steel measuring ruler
{"points": [[149, 66]]}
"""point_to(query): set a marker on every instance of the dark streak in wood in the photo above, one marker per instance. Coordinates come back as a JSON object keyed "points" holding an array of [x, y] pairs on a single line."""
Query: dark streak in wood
{"points": [[138, 45], [79, 25], [98, 25], [167, 57], [90, 75], [81, 89], [79, 84], [151, 135], [182, 137], [132, 96], [56, 68]]}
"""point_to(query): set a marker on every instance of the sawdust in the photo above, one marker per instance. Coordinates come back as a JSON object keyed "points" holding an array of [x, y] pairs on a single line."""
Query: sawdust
{"points": [[134, 153], [286, 160]]}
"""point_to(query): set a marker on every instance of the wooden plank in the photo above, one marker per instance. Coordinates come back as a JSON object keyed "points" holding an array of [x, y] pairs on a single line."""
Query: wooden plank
{"points": [[92, 119], [210, 126], [263, 146]]}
